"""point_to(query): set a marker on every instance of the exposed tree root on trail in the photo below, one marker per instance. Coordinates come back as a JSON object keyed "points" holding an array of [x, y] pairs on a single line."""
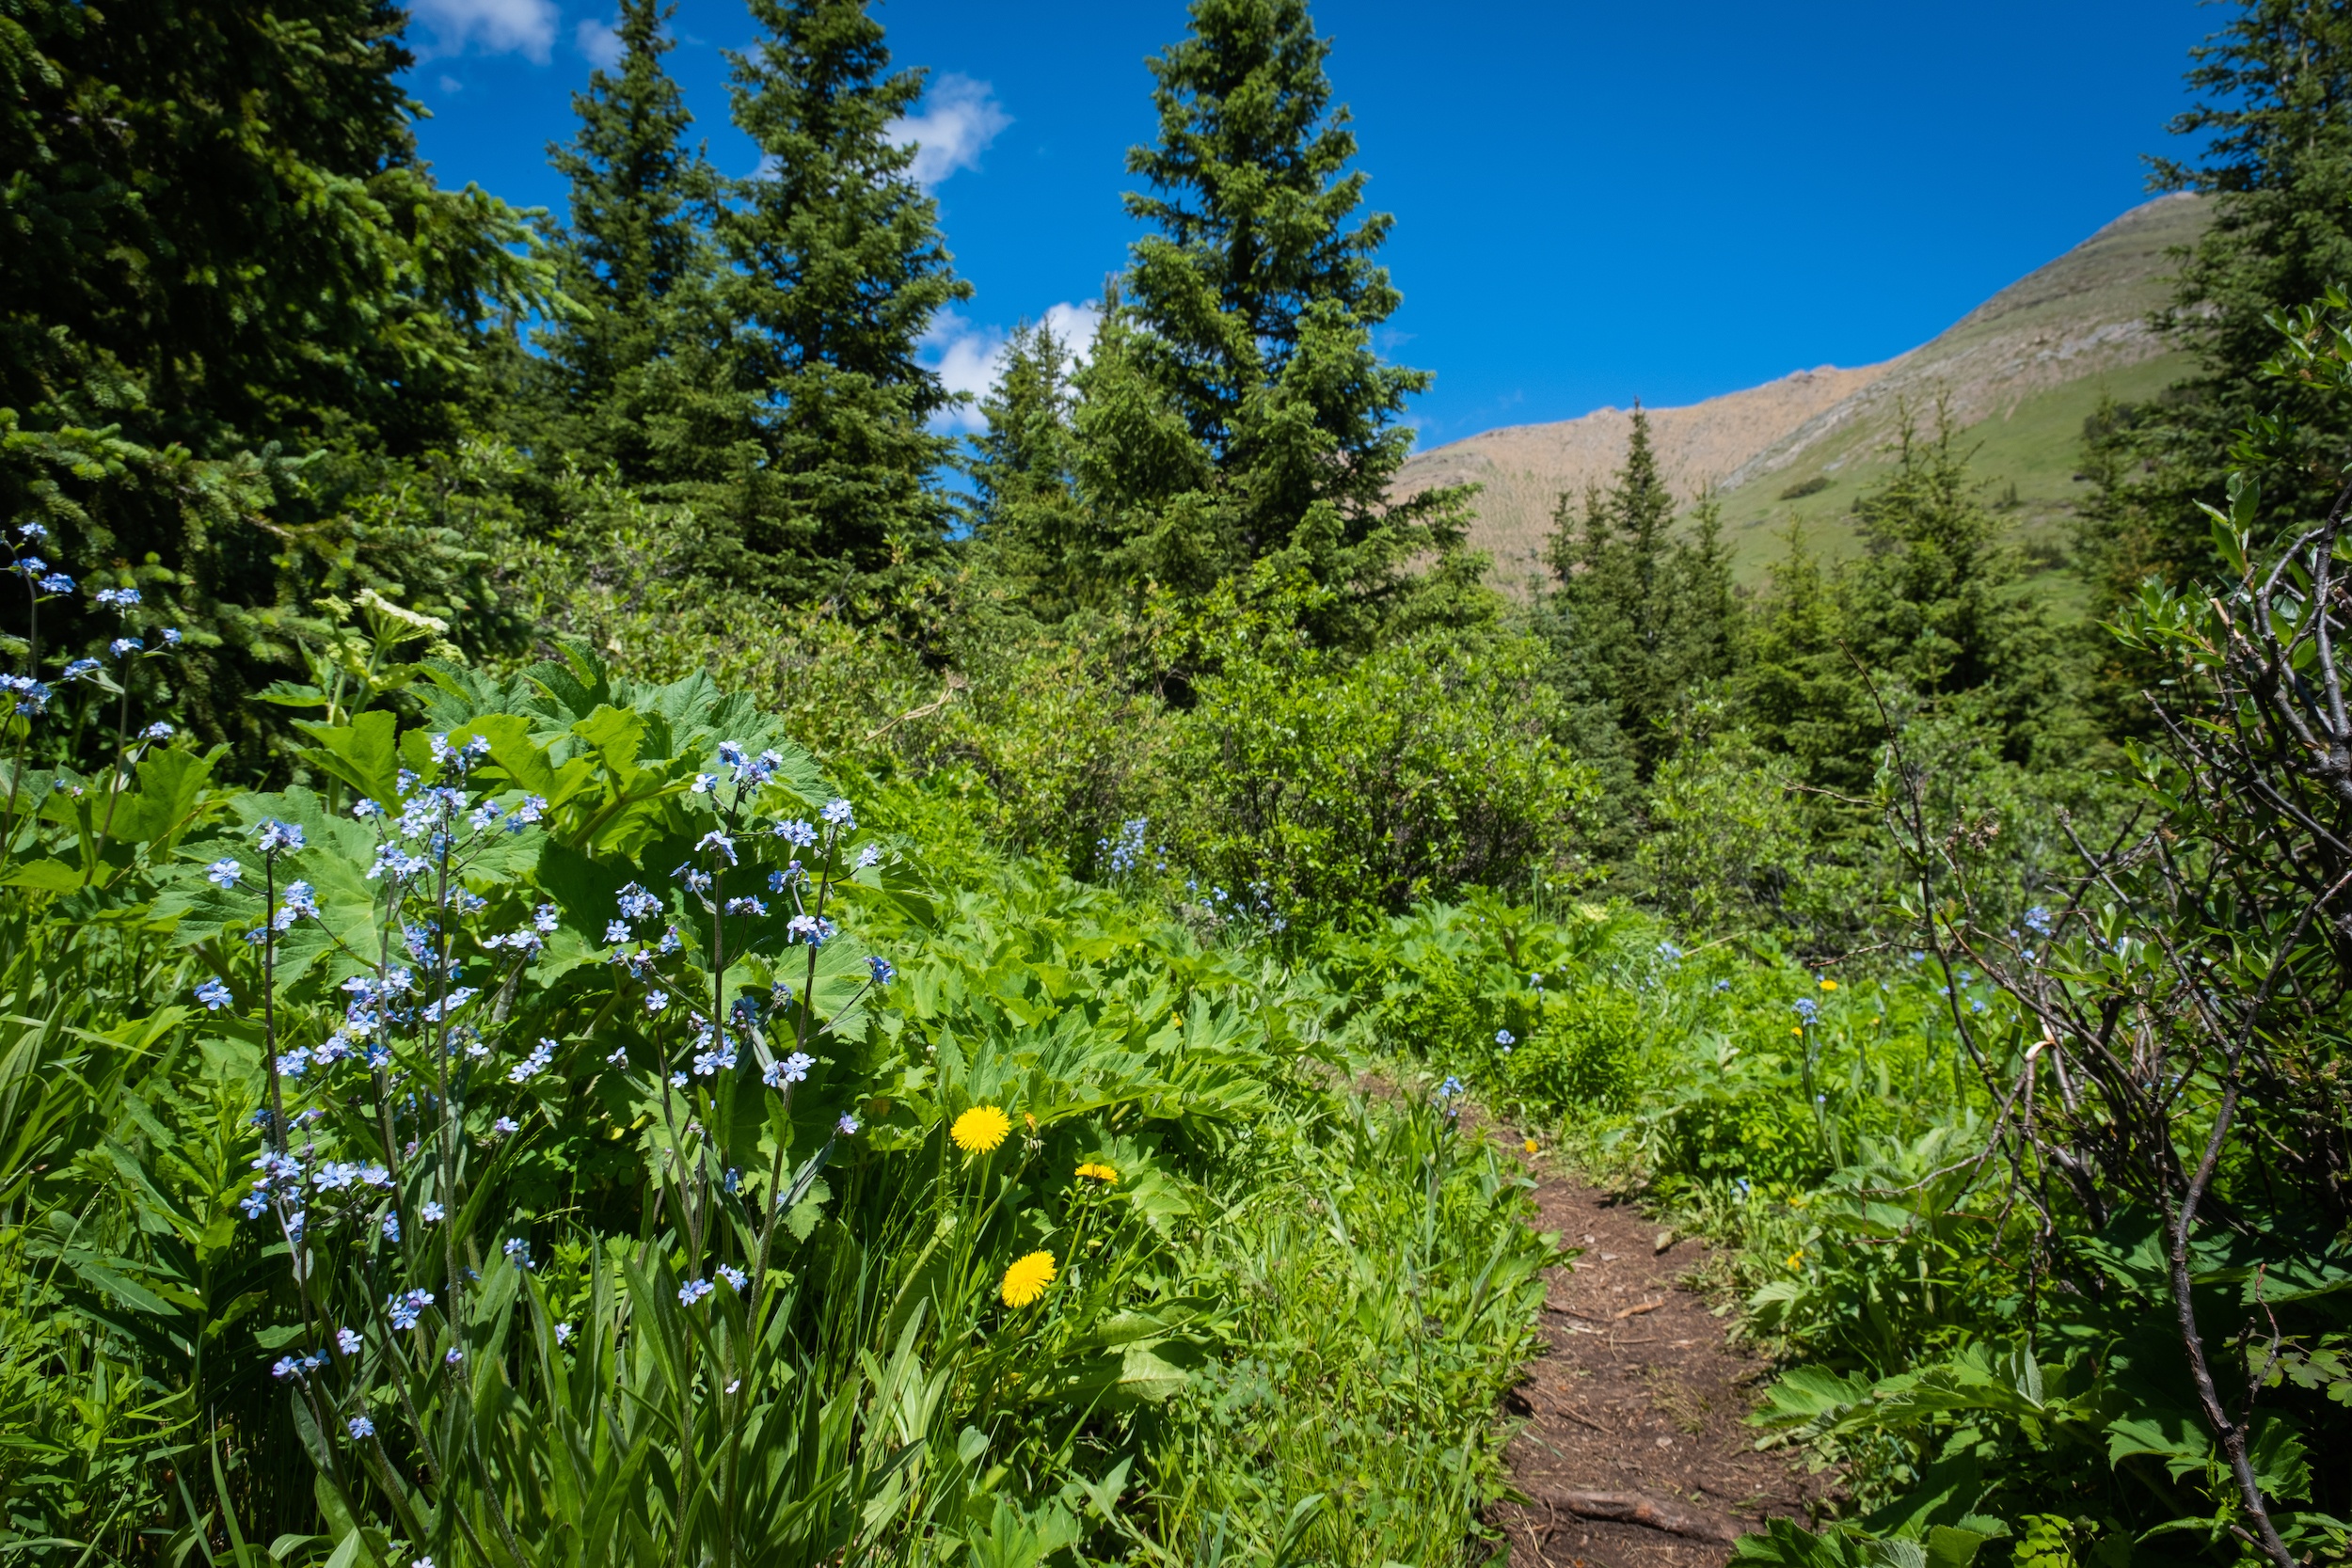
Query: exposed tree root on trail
{"points": [[1636, 1452]]}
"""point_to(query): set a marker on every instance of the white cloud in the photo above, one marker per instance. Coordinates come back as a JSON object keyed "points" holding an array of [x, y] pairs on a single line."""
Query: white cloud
{"points": [[599, 42], [959, 119], [1074, 325], [451, 84], [969, 357], [494, 26]]}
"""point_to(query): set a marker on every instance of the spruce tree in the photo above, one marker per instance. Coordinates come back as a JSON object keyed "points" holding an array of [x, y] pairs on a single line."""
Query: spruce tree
{"points": [[1033, 534], [1935, 609], [835, 268], [2274, 117], [1255, 301], [1644, 614], [1160, 510], [1938, 603], [635, 264], [228, 288]]}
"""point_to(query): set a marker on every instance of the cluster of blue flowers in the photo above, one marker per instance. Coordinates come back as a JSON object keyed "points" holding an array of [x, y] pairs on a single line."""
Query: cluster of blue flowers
{"points": [[716, 1052], [426, 840], [787, 1070], [32, 696], [541, 1058], [404, 1310], [1125, 852]]}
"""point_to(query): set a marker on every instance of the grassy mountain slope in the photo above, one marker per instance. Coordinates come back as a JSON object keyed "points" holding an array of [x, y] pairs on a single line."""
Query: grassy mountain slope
{"points": [[2020, 373]]}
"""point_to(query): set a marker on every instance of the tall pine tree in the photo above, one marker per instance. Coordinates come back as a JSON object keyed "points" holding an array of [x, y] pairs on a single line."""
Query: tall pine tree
{"points": [[635, 263], [1936, 610], [1255, 302], [835, 268], [1644, 614], [2274, 118], [1033, 534]]}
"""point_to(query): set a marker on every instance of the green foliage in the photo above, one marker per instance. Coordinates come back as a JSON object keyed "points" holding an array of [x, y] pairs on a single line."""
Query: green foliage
{"points": [[1253, 304], [552, 1155], [637, 268], [833, 270], [1642, 616], [2274, 154], [1346, 788], [1030, 524], [224, 261], [1387, 1307]]}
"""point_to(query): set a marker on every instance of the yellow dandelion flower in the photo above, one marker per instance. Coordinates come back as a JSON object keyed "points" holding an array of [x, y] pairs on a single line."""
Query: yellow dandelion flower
{"points": [[1098, 1171], [1790, 1261], [980, 1129], [1798, 1030], [1530, 1145], [1828, 985], [1027, 1280]]}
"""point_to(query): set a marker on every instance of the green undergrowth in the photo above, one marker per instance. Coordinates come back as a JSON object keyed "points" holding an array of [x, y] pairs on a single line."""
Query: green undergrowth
{"points": [[1825, 1129], [567, 1296]]}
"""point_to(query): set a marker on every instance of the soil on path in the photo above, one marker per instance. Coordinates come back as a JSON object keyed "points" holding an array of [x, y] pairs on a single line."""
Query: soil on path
{"points": [[1636, 1451]]}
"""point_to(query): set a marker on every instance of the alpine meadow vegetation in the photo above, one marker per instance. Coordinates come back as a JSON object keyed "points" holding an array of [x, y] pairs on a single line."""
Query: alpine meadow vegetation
{"points": [[616, 949]]}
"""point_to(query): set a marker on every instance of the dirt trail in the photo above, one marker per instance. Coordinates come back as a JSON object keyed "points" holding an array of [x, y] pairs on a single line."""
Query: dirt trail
{"points": [[1636, 1451]]}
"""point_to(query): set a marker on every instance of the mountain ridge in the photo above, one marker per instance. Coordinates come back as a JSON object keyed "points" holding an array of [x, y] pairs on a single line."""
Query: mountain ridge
{"points": [[2044, 348]]}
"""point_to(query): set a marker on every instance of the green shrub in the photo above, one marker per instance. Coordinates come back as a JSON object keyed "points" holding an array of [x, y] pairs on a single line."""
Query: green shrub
{"points": [[1338, 790]]}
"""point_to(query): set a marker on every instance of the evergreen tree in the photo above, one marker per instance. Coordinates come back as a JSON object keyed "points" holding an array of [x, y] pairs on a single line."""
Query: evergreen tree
{"points": [[1938, 600], [1799, 689], [1032, 529], [226, 283], [1935, 609], [1645, 615], [635, 264], [1254, 303], [1148, 484], [834, 270], [2274, 117]]}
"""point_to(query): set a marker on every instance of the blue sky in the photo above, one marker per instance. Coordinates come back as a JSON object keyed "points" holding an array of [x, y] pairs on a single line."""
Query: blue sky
{"points": [[1595, 202]]}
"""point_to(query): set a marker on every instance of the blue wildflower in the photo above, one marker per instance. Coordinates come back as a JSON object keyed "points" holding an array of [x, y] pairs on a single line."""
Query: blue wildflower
{"points": [[276, 836]]}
